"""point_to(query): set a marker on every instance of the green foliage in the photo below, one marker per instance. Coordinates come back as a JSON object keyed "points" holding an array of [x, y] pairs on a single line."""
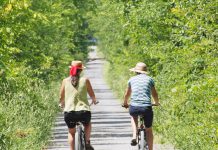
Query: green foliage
{"points": [[178, 42], [28, 116], [38, 35], [38, 39]]}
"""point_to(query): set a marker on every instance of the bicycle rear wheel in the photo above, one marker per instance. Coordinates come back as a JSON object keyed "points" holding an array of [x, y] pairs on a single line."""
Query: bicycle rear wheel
{"points": [[79, 139], [141, 141]]}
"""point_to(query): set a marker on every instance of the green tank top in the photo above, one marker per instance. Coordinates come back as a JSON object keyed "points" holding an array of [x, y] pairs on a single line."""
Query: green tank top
{"points": [[76, 97]]}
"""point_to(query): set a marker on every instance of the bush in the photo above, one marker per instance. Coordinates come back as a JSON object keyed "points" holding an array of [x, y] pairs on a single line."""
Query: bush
{"points": [[177, 40]]}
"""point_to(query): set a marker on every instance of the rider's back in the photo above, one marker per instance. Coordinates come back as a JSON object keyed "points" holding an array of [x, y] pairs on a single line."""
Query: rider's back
{"points": [[141, 85], [76, 97]]}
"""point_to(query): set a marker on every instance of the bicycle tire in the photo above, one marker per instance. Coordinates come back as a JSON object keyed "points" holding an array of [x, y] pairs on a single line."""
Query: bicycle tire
{"points": [[77, 145], [141, 144], [83, 140]]}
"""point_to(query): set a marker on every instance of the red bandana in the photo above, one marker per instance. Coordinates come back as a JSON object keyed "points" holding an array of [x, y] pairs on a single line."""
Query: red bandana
{"points": [[73, 70]]}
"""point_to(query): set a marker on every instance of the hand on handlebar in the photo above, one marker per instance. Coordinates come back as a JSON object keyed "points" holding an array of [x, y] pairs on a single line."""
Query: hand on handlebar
{"points": [[60, 106], [125, 105], [156, 104], [94, 102]]}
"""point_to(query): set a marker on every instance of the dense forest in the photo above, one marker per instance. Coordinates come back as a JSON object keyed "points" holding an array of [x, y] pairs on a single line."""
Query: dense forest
{"points": [[176, 39], [38, 39]]}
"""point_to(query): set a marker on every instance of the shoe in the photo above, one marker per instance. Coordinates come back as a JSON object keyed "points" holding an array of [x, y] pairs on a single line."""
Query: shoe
{"points": [[89, 147], [133, 142]]}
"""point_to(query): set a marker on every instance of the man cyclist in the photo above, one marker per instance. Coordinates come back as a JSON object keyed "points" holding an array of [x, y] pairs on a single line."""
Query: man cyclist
{"points": [[140, 88]]}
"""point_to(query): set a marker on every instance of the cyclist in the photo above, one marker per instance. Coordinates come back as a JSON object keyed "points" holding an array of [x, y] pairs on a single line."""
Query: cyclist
{"points": [[140, 88], [73, 99]]}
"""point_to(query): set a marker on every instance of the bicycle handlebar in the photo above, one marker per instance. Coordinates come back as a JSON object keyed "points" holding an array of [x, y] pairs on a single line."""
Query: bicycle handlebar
{"points": [[93, 103], [156, 104], [127, 106]]}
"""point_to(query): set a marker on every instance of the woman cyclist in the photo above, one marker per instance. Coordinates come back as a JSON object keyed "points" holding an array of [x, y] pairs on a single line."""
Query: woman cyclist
{"points": [[73, 99], [140, 88]]}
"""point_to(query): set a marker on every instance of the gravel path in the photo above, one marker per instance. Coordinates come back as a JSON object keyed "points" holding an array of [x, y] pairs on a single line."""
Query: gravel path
{"points": [[111, 128]]}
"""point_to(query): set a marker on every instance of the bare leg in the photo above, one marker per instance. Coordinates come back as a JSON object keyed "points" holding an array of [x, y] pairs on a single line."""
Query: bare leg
{"points": [[88, 132], [134, 122], [71, 137], [149, 136]]}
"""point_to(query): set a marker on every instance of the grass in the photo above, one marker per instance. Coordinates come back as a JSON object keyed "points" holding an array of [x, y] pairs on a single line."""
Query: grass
{"points": [[27, 117]]}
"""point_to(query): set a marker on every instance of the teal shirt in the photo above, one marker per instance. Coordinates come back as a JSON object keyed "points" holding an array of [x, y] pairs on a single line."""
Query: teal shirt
{"points": [[141, 90]]}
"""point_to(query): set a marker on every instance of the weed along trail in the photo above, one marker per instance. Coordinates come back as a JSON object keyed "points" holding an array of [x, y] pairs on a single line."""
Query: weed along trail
{"points": [[111, 128]]}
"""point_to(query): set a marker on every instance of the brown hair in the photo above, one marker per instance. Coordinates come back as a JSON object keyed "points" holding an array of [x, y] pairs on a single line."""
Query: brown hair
{"points": [[75, 79]]}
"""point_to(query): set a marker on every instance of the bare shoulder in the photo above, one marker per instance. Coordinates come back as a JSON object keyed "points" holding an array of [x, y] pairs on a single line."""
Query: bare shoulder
{"points": [[86, 79]]}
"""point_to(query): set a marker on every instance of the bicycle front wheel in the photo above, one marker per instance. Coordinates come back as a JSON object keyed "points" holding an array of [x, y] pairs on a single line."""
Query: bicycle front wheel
{"points": [[141, 143]]}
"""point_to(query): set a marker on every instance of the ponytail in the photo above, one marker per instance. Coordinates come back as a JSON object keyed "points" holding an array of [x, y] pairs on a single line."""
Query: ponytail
{"points": [[74, 80], [75, 75]]}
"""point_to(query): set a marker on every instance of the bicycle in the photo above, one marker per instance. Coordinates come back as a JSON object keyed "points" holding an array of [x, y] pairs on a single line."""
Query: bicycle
{"points": [[141, 138], [80, 138]]}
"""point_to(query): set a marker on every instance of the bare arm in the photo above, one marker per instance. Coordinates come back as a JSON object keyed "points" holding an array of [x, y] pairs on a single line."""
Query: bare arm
{"points": [[126, 96], [155, 96], [62, 94], [90, 91]]}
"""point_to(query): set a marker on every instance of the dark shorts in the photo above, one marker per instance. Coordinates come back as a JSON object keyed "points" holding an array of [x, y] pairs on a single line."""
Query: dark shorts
{"points": [[147, 112], [72, 117]]}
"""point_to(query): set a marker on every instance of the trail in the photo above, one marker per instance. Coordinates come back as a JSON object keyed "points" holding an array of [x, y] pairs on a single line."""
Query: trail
{"points": [[111, 128]]}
